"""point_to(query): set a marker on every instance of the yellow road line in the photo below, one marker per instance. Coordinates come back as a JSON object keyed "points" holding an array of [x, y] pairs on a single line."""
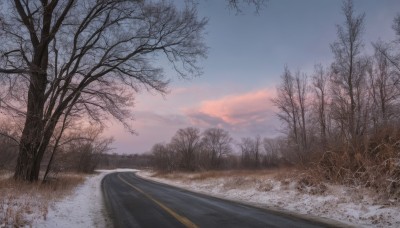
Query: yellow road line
{"points": [[185, 221]]}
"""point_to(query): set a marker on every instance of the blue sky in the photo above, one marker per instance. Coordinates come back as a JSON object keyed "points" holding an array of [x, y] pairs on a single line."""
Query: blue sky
{"points": [[247, 54]]}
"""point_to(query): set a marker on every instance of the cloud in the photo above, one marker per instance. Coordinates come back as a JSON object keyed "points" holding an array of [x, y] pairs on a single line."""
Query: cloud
{"points": [[146, 118], [247, 112]]}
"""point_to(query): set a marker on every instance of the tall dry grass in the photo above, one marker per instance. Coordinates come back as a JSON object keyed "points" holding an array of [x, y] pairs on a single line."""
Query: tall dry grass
{"points": [[210, 174], [21, 203], [262, 180], [375, 166]]}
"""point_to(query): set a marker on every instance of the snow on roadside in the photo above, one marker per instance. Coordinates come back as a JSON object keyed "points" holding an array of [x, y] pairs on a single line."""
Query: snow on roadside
{"points": [[356, 207], [84, 208]]}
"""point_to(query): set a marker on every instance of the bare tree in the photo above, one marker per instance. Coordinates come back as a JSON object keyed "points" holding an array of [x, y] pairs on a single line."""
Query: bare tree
{"points": [[383, 80], [216, 143], [83, 56], [301, 90], [348, 78], [393, 58], [286, 103], [320, 84], [388, 62], [235, 4], [8, 144], [163, 157], [272, 150], [81, 150], [291, 101], [251, 154], [187, 144]]}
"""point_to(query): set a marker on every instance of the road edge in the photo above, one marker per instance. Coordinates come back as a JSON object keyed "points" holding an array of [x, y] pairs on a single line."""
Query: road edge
{"points": [[106, 203], [286, 213]]}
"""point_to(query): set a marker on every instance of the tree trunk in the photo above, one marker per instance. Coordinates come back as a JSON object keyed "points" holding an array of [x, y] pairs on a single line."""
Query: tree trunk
{"points": [[31, 151], [30, 154], [33, 141], [26, 168], [29, 157]]}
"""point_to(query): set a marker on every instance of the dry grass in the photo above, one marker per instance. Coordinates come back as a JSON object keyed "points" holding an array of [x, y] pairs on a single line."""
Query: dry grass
{"points": [[262, 180], [21, 203], [204, 175], [376, 166]]}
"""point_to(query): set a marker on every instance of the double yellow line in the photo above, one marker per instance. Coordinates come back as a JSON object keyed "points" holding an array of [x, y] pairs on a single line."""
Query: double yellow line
{"points": [[185, 221]]}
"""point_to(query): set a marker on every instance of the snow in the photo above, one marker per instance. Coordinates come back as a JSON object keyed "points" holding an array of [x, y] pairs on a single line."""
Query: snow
{"points": [[84, 208], [351, 206]]}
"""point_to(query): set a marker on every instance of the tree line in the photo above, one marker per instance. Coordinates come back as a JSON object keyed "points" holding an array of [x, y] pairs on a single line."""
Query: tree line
{"points": [[192, 150], [344, 119]]}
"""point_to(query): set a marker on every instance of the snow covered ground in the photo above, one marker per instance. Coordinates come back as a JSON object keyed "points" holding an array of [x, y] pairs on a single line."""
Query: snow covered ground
{"points": [[352, 206], [84, 208]]}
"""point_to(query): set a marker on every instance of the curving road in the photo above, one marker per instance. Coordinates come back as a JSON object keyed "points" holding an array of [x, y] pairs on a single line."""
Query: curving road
{"points": [[134, 202]]}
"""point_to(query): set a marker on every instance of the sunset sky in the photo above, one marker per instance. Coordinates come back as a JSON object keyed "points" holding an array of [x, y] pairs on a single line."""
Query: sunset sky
{"points": [[247, 54]]}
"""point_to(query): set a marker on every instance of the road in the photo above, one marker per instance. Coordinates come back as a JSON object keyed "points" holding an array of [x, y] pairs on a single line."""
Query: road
{"points": [[135, 202]]}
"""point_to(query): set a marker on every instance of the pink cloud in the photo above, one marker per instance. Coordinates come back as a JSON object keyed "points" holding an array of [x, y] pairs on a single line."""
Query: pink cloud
{"points": [[234, 111]]}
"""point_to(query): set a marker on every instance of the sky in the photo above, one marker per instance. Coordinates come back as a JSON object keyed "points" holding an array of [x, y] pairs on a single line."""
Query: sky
{"points": [[247, 54]]}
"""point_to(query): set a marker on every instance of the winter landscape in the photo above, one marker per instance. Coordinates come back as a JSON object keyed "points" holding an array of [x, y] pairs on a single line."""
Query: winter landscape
{"points": [[235, 113]]}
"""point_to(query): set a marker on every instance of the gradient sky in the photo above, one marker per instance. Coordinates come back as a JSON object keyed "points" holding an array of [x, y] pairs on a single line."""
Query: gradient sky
{"points": [[247, 54]]}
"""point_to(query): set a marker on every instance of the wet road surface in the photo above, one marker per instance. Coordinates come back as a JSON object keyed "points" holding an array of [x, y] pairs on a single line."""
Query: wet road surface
{"points": [[135, 202]]}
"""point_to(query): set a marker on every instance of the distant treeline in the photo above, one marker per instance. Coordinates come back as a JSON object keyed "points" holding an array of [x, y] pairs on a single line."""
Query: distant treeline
{"points": [[193, 150], [134, 161]]}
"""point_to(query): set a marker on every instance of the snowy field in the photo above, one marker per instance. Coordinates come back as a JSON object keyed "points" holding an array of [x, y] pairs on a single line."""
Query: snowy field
{"points": [[357, 207]]}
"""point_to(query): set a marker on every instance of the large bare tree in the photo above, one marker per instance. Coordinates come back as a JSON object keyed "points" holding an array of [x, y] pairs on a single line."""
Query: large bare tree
{"points": [[79, 58]]}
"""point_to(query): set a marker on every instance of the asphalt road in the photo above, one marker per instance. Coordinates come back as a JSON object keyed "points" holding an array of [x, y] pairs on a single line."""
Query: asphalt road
{"points": [[134, 202]]}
